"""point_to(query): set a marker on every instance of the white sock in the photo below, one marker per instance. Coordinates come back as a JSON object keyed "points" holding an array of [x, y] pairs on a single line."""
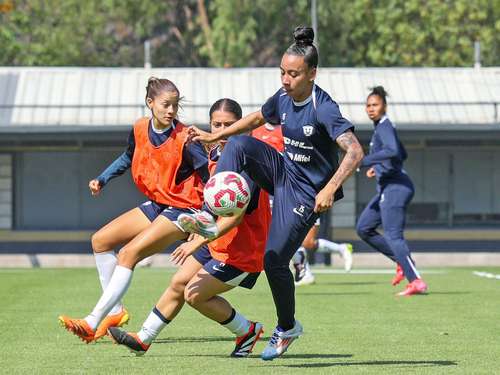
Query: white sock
{"points": [[106, 263], [152, 326], [325, 246], [299, 256], [113, 293], [239, 325]]}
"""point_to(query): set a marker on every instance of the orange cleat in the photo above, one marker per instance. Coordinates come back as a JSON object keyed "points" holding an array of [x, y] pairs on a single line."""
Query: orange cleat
{"points": [[115, 320], [400, 276], [79, 327], [417, 286]]}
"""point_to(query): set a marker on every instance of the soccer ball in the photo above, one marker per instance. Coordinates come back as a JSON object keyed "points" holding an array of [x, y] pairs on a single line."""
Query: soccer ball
{"points": [[226, 194]]}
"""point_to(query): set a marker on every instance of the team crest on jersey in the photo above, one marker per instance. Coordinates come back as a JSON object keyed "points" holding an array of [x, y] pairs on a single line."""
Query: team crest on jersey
{"points": [[308, 130]]}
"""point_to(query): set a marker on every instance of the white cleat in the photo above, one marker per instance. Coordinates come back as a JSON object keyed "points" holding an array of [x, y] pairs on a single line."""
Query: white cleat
{"points": [[303, 274], [347, 255], [280, 341], [200, 222]]}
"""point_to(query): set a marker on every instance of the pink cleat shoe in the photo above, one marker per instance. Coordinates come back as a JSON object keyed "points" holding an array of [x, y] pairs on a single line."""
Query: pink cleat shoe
{"points": [[417, 286], [399, 276]]}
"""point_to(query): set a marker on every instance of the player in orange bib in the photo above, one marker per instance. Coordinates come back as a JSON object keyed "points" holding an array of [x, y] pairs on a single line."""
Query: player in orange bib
{"points": [[170, 172], [233, 259]]}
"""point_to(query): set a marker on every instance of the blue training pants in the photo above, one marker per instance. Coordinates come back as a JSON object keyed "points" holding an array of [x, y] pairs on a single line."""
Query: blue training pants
{"points": [[292, 218]]}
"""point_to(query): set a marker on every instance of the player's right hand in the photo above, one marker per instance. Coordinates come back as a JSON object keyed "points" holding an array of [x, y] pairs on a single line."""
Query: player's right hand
{"points": [[95, 187], [370, 172], [198, 135]]}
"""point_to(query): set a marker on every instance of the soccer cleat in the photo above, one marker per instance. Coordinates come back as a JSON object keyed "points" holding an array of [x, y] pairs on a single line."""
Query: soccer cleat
{"points": [[417, 286], [400, 276], [303, 274], [347, 255], [79, 327], [245, 343], [115, 320], [200, 222], [130, 340], [280, 341]]}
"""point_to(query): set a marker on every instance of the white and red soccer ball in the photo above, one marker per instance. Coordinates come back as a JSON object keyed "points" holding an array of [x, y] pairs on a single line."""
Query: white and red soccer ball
{"points": [[226, 194]]}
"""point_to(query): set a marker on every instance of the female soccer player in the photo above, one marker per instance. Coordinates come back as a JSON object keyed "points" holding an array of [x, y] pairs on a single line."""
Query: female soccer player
{"points": [[170, 172], [273, 136], [305, 180], [233, 259], [394, 193]]}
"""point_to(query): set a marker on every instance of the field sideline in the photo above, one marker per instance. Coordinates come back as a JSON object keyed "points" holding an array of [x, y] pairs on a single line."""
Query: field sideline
{"points": [[353, 325]]}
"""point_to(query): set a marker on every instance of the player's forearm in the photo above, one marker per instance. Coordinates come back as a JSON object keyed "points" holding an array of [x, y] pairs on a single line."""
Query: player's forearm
{"points": [[225, 224], [244, 125], [352, 158]]}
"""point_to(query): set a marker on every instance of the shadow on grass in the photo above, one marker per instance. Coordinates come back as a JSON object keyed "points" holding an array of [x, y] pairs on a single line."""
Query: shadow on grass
{"points": [[173, 340], [352, 283], [370, 363], [290, 356], [331, 293], [451, 292]]}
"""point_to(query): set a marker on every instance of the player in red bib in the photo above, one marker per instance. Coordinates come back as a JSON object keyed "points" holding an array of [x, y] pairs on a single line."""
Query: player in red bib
{"points": [[170, 172], [234, 258]]}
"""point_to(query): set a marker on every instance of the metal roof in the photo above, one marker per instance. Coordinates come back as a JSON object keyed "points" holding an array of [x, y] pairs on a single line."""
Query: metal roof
{"points": [[73, 96]]}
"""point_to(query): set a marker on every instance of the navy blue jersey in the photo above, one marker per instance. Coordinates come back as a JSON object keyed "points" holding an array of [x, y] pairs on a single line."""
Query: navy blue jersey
{"points": [[214, 155], [387, 153], [310, 129], [194, 157]]}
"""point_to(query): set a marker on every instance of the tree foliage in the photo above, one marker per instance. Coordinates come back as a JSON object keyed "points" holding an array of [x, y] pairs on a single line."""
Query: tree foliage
{"points": [[240, 33]]}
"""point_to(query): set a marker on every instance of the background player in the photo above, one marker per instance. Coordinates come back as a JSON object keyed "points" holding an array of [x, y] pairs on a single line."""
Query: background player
{"points": [[394, 193], [305, 181], [171, 174], [233, 259]]}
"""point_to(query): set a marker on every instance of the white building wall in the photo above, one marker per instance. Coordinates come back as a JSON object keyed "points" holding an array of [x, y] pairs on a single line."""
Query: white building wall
{"points": [[5, 191], [344, 211]]}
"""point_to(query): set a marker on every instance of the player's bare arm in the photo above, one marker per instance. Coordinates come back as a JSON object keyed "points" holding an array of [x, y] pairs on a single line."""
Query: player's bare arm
{"points": [[244, 125], [353, 155]]}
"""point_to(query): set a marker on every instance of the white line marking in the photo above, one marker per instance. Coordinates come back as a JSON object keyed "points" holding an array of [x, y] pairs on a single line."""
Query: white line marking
{"points": [[486, 274], [369, 271]]}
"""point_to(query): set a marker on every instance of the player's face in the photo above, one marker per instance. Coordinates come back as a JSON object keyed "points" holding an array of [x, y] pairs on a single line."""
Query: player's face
{"points": [[296, 77], [375, 107], [164, 107], [221, 120]]}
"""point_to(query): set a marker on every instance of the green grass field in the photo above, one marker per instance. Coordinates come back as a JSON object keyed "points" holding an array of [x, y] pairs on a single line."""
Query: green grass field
{"points": [[353, 325]]}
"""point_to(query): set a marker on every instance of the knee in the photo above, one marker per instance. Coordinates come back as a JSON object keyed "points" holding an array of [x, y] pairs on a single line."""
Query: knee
{"points": [[238, 141], [99, 243], [192, 297], [362, 230], [127, 257], [178, 285]]}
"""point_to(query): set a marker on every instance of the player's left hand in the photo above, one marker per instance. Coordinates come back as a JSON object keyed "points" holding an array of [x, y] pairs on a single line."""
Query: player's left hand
{"points": [[324, 200], [180, 254]]}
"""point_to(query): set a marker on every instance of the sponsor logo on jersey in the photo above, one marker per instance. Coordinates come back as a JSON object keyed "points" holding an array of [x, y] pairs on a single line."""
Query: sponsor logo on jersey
{"points": [[308, 130], [301, 158], [295, 143], [299, 210]]}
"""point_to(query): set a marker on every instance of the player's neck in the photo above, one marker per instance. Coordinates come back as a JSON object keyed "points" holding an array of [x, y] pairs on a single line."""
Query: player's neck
{"points": [[158, 126]]}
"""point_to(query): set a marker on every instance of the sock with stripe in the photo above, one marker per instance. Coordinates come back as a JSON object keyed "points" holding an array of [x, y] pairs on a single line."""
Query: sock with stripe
{"points": [[237, 323], [152, 326]]}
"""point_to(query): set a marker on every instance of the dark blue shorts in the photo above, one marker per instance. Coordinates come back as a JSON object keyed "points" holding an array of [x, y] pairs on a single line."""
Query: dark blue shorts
{"points": [[226, 273], [152, 210]]}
